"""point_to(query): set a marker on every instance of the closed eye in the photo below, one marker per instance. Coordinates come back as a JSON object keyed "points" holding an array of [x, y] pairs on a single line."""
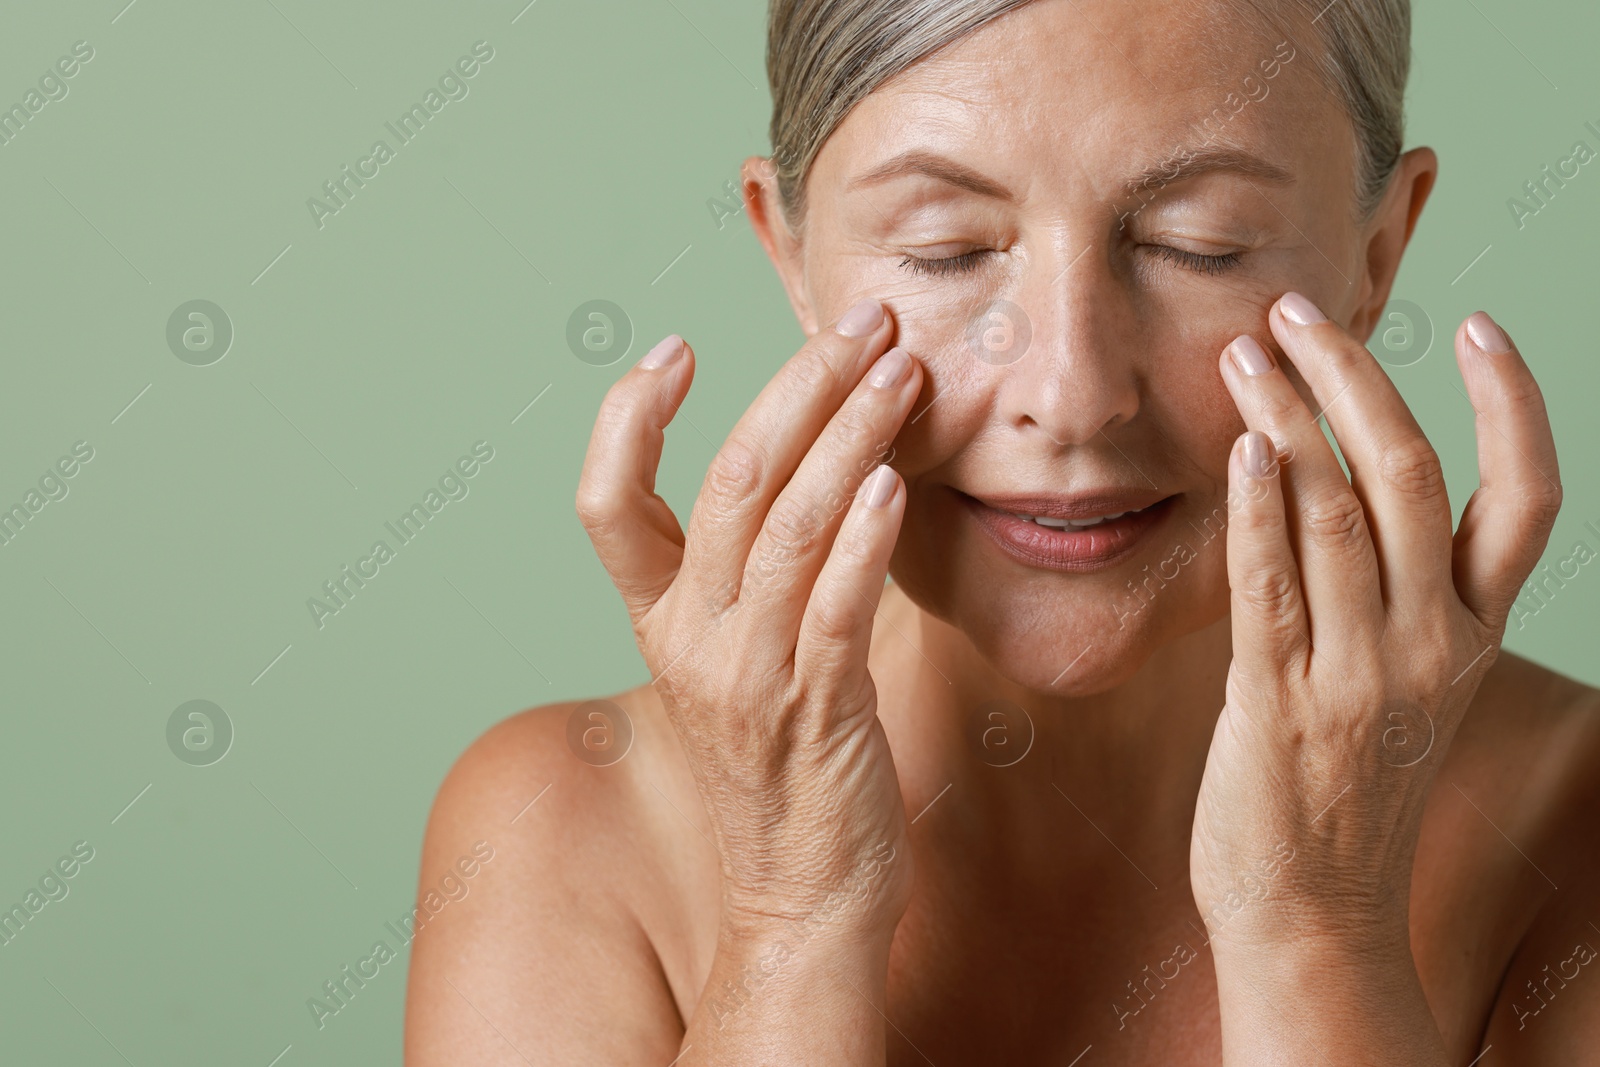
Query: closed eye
{"points": [[969, 261], [1195, 261], [962, 264]]}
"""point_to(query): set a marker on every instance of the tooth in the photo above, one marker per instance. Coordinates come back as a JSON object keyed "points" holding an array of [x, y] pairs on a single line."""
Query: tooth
{"points": [[1071, 524]]}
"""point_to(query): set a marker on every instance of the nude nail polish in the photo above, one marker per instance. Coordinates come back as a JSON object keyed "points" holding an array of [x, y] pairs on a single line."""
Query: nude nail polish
{"points": [[1258, 454], [1300, 311], [891, 369], [879, 486], [1249, 356], [665, 351], [861, 319], [1490, 338]]}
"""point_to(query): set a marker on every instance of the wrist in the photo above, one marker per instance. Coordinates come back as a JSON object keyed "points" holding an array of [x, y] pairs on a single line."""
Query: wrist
{"points": [[1377, 935], [1329, 951], [1339, 999], [862, 907], [769, 968], [841, 921]]}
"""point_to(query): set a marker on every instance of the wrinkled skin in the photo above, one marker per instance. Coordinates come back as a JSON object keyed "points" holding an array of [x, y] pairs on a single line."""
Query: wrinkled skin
{"points": [[1298, 756]]}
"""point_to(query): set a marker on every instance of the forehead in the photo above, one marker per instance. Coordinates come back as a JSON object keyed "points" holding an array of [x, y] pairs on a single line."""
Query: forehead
{"points": [[1103, 84]]}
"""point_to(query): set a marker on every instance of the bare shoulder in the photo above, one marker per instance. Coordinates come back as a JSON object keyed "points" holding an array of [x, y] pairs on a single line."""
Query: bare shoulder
{"points": [[1532, 733], [549, 952], [1524, 767], [1516, 807]]}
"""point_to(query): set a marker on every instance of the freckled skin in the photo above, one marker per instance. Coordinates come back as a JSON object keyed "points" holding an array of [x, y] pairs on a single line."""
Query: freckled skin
{"points": [[1043, 889]]}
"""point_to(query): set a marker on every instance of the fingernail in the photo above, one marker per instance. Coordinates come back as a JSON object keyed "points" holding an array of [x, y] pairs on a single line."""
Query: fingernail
{"points": [[1257, 454], [1249, 356], [666, 350], [1490, 339], [891, 369], [861, 319], [879, 486], [1300, 311]]}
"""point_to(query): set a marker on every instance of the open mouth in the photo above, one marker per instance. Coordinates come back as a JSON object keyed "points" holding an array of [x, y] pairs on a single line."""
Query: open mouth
{"points": [[1076, 524], [1084, 533]]}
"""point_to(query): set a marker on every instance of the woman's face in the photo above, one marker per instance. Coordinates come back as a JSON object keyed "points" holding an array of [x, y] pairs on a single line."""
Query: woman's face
{"points": [[1128, 188]]}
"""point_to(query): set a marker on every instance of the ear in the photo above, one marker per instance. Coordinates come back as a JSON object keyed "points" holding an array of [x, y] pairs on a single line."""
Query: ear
{"points": [[759, 179], [1389, 231]]}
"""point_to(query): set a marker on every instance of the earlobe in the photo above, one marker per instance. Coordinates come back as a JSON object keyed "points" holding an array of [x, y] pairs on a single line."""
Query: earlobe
{"points": [[1392, 227], [763, 207]]}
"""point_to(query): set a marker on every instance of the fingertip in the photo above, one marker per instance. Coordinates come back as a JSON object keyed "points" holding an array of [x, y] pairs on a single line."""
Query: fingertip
{"points": [[1259, 456], [1253, 468], [1249, 357], [1299, 310], [665, 352], [880, 487], [862, 320], [1486, 335]]}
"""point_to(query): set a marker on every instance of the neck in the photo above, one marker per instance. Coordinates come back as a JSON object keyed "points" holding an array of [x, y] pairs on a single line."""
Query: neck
{"points": [[1133, 753]]}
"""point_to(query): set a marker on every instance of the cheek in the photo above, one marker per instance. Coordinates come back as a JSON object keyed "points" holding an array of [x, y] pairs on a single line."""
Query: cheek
{"points": [[936, 326], [1189, 376], [1196, 404]]}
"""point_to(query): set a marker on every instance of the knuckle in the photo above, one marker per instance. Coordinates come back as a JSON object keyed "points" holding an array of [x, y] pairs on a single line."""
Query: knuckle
{"points": [[832, 623], [595, 508], [856, 422], [1335, 519], [1283, 412], [1412, 469], [791, 527], [813, 370], [1522, 391], [626, 402], [1344, 355], [1541, 503], [734, 474], [853, 548], [600, 525], [1268, 591]]}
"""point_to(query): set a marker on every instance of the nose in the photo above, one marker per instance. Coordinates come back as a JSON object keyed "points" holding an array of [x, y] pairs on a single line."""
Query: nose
{"points": [[1072, 373]]}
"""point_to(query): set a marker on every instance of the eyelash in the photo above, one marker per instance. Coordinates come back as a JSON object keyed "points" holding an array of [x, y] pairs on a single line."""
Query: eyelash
{"points": [[968, 261], [962, 264], [1195, 261]]}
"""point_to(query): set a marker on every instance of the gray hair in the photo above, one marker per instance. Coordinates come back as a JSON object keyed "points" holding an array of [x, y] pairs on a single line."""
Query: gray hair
{"points": [[824, 56]]}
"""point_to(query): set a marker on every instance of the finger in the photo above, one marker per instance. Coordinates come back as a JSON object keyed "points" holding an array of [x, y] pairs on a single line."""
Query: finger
{"points": [[768, 443], [1507, 521], [1271, 631], [1327, 528], [1394, 471], [836, 630], [634, 532], [793, 543]]}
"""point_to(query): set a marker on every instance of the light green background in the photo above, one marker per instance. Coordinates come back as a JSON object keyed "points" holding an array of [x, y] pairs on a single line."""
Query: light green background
{"points": [[422, 318]]}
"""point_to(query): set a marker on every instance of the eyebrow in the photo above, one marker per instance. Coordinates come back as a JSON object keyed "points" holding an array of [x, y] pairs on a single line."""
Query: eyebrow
{"points": [[1191, 163], [1182, 166], [940, 168]]}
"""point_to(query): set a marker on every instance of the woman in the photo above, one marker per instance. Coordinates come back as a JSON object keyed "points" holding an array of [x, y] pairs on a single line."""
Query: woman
{"points": [[1164, 743]]}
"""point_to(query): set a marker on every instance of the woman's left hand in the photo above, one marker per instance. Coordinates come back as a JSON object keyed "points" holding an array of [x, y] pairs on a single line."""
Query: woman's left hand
{"points": [[1361, 629]]}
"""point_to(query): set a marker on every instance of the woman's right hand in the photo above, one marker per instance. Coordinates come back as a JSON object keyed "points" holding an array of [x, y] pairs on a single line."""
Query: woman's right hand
{"points": [[756, 625]]}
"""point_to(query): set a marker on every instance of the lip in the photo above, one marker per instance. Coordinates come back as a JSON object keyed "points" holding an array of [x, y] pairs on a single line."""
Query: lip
{"points": [[1091, 549]]}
